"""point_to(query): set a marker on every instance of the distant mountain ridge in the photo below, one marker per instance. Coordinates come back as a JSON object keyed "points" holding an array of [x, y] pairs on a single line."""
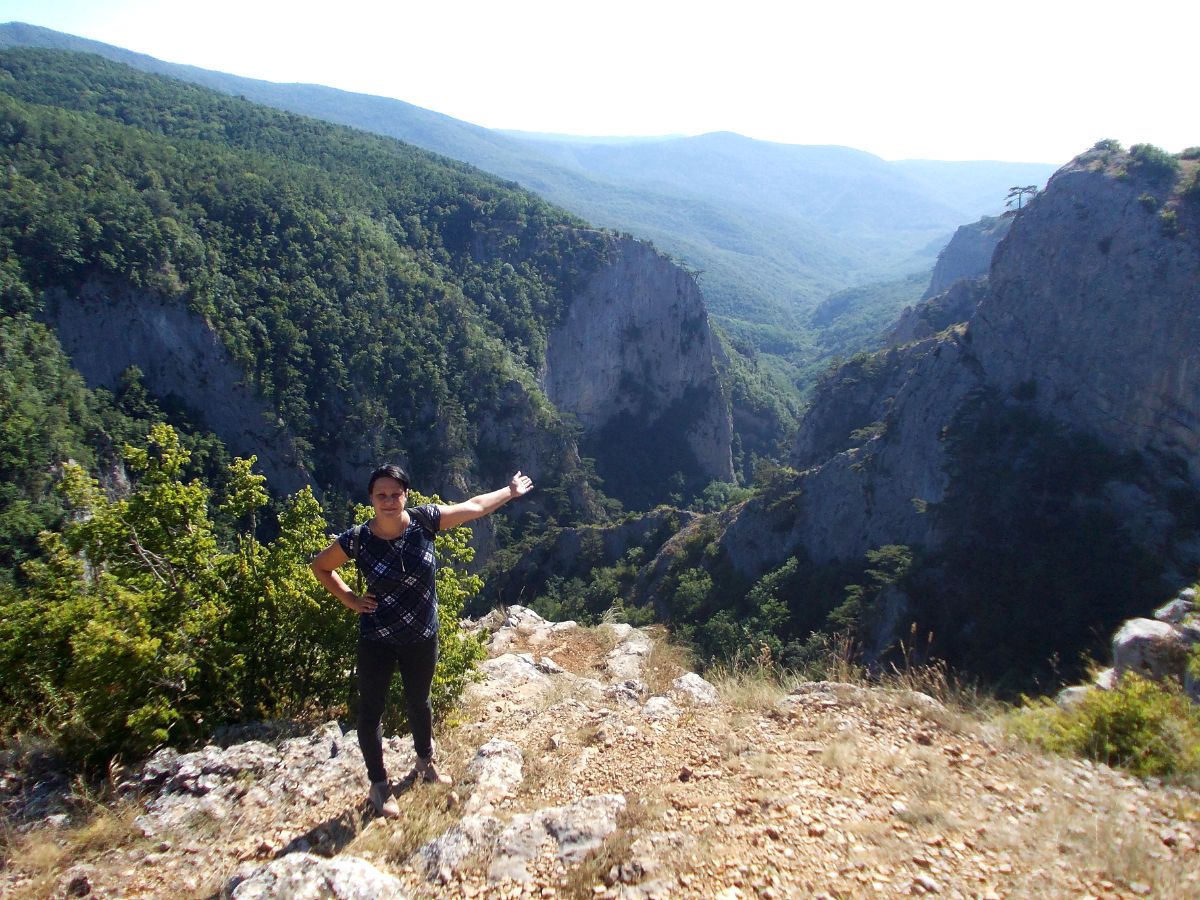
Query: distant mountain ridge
{"points": [[772, 228]]}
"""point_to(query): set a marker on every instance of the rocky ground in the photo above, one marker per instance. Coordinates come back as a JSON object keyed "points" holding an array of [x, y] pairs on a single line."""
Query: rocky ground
{"points": [[587, 766]]}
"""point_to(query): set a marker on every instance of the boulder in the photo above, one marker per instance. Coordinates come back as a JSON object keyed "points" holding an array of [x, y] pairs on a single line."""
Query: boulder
{"points": [[625, 661], [575, 830], [302, 876], [1150, 648], [497, 770], [471, 836], [693, 689], [1174, 612], [658, 708]]}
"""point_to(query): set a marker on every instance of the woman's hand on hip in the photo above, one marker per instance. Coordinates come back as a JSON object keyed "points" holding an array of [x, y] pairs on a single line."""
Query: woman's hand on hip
{"points": [[362, 604]]}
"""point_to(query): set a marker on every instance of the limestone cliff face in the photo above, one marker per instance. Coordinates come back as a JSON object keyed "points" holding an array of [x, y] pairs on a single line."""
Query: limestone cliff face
{"points": [[106, 329], [1091, 312], [957, 282], [969, 253], [634, 362], [1096, 306]]}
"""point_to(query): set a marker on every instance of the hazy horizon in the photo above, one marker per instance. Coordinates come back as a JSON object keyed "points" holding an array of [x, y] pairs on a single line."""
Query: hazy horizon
{"points": [[930, 80]]}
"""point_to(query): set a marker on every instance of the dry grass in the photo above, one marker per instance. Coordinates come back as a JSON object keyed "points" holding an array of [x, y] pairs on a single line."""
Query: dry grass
{"points": [[750, 688], [843, 753], [46, 853], [665, 662]]}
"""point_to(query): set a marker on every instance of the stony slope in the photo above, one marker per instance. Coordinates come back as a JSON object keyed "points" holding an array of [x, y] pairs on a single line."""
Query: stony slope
{"points": [[588, 767]]}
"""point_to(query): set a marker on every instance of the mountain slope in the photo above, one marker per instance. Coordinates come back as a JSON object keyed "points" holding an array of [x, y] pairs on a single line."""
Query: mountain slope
{"points": [[774, 228], [1010, 488], [372, 299]]}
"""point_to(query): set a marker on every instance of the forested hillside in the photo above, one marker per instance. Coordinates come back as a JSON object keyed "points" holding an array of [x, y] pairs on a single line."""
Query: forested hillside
{"points": [[772, 229], [183, 272], [381, 301]]}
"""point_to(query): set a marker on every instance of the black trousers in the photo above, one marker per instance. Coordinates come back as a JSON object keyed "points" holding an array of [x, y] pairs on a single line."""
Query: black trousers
{"points": [[377, 662]]}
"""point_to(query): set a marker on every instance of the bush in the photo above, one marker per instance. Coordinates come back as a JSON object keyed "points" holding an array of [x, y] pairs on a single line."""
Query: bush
{"points": [[1152, 161], [1108, 145], [138, 628], [1143, 726]]}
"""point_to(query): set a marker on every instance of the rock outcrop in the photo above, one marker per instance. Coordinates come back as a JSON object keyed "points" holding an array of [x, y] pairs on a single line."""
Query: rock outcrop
{"points": [[634, 361], [106, 329], [969, 254], [1092, 303], [1158, 649], [1089, 318], [957, 284], [827, 788]]}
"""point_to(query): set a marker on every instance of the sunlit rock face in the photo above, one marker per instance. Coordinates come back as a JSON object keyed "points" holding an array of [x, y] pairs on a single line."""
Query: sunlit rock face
{"points": [[634, 362], [1090, 316], [1095, 305]]}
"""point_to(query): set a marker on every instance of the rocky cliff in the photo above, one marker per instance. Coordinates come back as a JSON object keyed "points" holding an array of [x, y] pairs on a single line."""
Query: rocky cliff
{"points": [[1088, 330], [969, 253], [634, 362], [1095, 305], [955, 286], [106, 329]]}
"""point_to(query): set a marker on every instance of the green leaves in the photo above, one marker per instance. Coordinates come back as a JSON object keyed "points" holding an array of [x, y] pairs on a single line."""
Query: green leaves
{"points": [[138, 628]]}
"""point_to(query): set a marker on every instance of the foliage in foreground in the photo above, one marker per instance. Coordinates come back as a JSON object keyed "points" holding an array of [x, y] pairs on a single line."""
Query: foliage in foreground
{"points": [[1147, 727], [138, 628]]}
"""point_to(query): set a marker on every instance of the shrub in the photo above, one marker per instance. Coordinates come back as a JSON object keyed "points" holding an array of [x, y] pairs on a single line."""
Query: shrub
{"points": [[1143, 726], [140, 628], [1152, 161], [1108, 145], [1192, 192]]}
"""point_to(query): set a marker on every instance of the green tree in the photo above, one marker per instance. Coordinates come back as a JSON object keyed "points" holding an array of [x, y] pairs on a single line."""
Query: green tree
{"points": [[139, 628], [1017, 194]]}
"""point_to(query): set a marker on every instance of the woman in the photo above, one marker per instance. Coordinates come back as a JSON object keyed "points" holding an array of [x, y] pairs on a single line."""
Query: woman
{"points": [[398, 620]]}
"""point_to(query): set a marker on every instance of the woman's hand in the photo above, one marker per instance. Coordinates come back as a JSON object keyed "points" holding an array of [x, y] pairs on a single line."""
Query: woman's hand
{"points": [[520, 485], [364, 604]]}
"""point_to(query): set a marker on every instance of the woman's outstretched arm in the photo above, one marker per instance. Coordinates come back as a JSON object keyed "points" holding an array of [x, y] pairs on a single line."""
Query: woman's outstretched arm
{"points": [[484, 504]]}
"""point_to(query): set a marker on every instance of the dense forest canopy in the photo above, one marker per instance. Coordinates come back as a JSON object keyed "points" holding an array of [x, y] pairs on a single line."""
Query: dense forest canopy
{"points": [[367, 288]]}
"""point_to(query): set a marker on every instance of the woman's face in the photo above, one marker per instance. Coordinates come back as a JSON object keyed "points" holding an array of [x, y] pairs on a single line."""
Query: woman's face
{"points": [[388, 497]]}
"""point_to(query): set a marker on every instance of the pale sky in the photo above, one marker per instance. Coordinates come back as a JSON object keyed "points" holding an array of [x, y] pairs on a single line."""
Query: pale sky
{"points": [[1022, 80]]}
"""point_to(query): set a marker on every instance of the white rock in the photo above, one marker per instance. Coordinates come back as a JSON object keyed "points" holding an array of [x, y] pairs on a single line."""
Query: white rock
{"points": [[470, 836], [625, 661], [302, 876], [1174, 612], [694, 689], [497, 767], [1149, 648], [1070, 697], [575, 830], [658, 708]]}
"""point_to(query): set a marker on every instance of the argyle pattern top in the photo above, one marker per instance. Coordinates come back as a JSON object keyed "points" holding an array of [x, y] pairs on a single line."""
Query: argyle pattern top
{"points": [[400, 573]]}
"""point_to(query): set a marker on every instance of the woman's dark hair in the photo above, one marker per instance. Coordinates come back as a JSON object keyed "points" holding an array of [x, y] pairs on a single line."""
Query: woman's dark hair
{"points": [[391, 470]]}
